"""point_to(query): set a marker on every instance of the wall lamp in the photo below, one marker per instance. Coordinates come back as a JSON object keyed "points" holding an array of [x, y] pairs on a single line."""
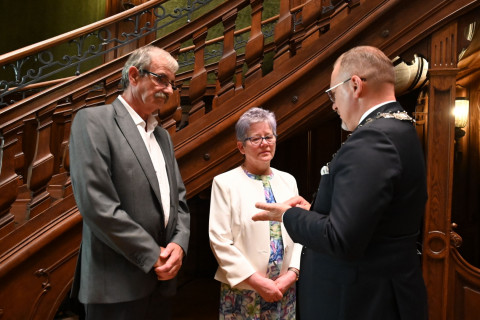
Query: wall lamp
{"points": [[460, 111]]}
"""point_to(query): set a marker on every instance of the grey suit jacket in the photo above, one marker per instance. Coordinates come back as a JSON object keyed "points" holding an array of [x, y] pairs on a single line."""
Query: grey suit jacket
{"points": [[117, 193]]}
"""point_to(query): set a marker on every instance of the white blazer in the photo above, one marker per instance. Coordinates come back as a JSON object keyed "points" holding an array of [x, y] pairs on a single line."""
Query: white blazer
{"points": [[241, 245]]}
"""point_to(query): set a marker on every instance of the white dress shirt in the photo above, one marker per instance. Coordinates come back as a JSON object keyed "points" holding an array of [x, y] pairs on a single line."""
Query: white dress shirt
{"points": [[156, 155]]}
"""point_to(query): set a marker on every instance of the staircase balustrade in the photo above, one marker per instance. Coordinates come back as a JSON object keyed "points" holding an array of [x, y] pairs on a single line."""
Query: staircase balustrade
{"points": [[34, 131]]}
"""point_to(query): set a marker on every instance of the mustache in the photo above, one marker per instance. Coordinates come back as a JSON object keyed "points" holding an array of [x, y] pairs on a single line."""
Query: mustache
{"points": [[162, 95]]}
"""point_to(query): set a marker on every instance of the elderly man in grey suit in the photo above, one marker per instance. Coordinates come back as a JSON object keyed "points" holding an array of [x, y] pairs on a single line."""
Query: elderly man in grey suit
{"points": [[128, 188]]}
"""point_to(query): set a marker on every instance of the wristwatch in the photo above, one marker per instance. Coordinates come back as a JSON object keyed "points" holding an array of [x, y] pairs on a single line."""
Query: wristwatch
{"points": [[296, 271]]}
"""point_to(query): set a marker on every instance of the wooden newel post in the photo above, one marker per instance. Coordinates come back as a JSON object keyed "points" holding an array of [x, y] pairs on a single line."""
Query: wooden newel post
{"points": [[440, 153]]}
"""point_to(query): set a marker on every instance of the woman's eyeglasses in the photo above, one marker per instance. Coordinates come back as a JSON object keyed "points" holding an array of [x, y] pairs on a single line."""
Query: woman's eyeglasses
{"points": [[257, 140]]}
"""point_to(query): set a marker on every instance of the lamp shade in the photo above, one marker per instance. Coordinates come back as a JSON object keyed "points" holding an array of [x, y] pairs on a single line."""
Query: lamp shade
{"points": [[461, 112]]}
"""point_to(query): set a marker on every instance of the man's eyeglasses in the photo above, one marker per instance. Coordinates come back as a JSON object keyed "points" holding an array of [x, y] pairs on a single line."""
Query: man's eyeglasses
{"points": [[257, 140], [331, 93], [159, 79]]}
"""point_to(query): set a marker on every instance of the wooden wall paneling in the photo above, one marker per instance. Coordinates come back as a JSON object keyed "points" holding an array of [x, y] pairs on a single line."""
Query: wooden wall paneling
{"points": [[36, 276], [436, 246], [464, 302]]}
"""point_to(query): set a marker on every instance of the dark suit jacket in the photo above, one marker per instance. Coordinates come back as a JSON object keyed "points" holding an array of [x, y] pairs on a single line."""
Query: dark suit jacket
{"points": [[117, 193], [360, 260]]}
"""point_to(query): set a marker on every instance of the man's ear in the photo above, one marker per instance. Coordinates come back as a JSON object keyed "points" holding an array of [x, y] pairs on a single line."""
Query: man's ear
{"points": [[357, 85], [133, 75]]}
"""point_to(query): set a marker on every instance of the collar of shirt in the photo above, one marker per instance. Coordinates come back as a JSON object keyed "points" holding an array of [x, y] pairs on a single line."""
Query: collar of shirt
{"points": [[151, 121], [373, 109]]}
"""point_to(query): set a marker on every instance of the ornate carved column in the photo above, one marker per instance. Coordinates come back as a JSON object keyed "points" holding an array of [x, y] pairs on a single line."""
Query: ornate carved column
{"points": [[440, 152]]}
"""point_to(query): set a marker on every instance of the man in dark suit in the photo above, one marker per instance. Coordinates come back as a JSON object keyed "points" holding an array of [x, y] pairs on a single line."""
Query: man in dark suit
{"points": [[360, 258], [128, 188]]}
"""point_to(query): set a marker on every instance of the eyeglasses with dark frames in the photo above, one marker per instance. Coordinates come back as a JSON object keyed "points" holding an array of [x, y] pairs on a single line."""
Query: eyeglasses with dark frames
{"points": [[331, 93], [159, 79], [257, 140]]}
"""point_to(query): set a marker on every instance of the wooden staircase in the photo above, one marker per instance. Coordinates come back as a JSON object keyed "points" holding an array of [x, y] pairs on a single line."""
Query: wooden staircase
{"points": [[40, 226]]}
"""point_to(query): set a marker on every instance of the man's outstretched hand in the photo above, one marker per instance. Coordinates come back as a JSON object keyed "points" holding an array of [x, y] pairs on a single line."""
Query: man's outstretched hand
{"points": [[275, 211]]}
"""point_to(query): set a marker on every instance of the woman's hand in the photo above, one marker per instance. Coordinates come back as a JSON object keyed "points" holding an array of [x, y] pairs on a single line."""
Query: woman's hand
{"points": [[285, 281], [265, 287]]}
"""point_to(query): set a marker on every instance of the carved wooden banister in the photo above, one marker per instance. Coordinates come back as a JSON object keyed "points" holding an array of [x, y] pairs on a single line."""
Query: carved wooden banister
{"points": [[198, 84], [226, 65], [254, 49], [201, 133], [283, 30]]}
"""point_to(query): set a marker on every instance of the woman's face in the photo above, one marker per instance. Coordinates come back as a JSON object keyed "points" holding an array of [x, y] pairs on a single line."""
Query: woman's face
{"points": [[258, 157]]}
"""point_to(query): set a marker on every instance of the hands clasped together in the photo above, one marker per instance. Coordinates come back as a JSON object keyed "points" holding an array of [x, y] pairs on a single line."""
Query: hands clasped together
{"points": [[169, 261], [271, 290]]}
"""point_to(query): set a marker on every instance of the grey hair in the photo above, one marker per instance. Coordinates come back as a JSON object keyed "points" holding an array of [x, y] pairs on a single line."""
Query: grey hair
{"points": [[251, 116], [141, 58]]}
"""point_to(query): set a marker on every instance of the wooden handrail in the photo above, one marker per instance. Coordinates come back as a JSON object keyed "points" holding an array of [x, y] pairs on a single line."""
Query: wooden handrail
{"points": [[52, 42]]}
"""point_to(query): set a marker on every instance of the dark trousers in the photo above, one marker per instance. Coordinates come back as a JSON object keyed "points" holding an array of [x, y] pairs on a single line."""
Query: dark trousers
{"points": [[153, 307]]}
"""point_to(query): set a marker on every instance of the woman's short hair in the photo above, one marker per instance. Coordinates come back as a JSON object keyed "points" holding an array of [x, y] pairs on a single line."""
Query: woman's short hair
{"points": [[141, 58], [251, 116]]}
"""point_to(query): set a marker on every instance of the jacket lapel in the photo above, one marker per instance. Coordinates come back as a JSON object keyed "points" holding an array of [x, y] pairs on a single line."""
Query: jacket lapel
{"points": [[165, 147], [135, 141]]}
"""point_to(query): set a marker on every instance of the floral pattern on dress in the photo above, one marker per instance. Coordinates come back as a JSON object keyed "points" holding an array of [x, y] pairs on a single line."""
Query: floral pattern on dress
{"points": [[242, 304]]}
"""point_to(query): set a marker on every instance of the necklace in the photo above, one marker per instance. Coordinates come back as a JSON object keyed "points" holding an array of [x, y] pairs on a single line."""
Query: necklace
{"points": [[399, 115]]}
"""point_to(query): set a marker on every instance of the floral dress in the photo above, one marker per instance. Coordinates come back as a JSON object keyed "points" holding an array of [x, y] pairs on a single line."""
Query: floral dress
{"points": [[243, 304]]}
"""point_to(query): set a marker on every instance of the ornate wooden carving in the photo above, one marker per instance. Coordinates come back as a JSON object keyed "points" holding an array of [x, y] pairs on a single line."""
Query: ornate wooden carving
{"points": [[9, 179], [283, 31], [254, 49], [228, 62], [198, 84], [443, 70], [463, 291]]}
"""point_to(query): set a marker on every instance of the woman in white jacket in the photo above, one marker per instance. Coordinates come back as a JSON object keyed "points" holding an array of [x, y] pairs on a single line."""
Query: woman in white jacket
{"points": [[258, 261]]}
